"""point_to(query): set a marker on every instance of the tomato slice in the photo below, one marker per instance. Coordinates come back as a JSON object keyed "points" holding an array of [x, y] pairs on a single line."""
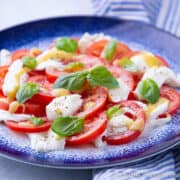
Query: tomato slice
{"points": [[26, 126], [20, 53], [97, 47], [173, 96], [126, 76], [44, 97], [129, 135], [163, 61], [3, 104], [96, 98], [3, 72], [92, 129], [52, 74]]}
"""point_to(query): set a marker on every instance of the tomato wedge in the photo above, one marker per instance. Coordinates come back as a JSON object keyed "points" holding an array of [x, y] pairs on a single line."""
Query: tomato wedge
{"points": [[44, 97], [173, 96], [92, 129], [18, 54], [3, 104], [3, 72], [26, 126], [96, 98], [129, 135], [97, 47]]}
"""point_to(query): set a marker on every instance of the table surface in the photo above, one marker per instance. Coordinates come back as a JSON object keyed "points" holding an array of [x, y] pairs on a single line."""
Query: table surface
{"points": [[18, 11]]}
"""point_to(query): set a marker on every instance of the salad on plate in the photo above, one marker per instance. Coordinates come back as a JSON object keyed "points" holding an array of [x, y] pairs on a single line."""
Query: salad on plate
{"points": [[89, 90]]}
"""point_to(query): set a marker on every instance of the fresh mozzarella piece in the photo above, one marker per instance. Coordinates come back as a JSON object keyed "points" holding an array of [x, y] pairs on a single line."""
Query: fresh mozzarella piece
{"points": [[120, 93], [159, 121], [63, 106], [49, 64], [5, 57], [154, 110], [5, 115], [145, 60], [88, 39], [99, 141], [118, 124], [53, 54], [45, 142], [15, 77]]}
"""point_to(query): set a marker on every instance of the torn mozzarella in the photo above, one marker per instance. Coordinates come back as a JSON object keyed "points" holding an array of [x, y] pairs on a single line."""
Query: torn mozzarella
{"points": [[49, 64], [5, 57], [99, 140], [63, 106], [88, 39], [120, 93], [47, 141]]}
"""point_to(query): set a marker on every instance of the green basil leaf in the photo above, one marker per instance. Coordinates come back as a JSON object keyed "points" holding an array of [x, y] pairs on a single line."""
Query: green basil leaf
{"points": [[109, 50], [127, 64], [29, 62], [37, 121], [66, 44], [100, 76], [74, 66], [68, 126], [149, 90], [73, 81], [26, 91]]}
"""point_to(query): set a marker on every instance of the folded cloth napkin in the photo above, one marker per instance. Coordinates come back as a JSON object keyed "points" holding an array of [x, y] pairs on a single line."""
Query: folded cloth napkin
{"points": [[164, 14]]}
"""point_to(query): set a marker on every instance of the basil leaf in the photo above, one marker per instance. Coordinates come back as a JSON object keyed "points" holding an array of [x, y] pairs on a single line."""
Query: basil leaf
{"points": [[26, 91], [67, 126], [127, 64], [73, 81], [112, 111], [29, 62], [66, 44], [37, 121], [109, 50], [149, 90], [74, 66], [100, 76]]}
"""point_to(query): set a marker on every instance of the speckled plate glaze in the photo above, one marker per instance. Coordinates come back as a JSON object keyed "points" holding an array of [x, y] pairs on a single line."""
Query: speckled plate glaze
{"points": [[138, 36]]}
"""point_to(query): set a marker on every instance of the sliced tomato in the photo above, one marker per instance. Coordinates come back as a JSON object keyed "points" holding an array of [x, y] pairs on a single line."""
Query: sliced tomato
{"points": [[173, 96], [126, 76], [163, 61], [20, 53], [3, 104], [44, 97], [26, 126], [92, 129], [32, 109], [97, 97], [52, 74], [3, 72], [97, 47], [129, 135]]}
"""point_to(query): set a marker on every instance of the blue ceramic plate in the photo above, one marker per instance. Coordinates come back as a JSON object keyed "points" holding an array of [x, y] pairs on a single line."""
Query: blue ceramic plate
{"points": [[138, 36]]}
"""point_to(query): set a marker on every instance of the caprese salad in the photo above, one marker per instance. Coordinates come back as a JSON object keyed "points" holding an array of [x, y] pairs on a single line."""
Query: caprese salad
{"points": [[88, 90]]}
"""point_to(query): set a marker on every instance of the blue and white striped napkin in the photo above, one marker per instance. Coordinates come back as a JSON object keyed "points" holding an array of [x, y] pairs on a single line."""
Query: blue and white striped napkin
{"points": [[164, 14]]}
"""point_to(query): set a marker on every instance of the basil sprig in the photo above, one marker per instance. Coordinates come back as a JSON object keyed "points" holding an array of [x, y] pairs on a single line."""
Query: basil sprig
{"points": [[26, 91], [37, 121], [114, 110], [149, 90], [98, 76], [66, 44], [127, 64], [109, 50], [29, 62], [67, 126]]}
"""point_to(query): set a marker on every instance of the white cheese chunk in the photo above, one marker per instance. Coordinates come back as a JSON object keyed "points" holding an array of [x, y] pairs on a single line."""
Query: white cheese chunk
{"points": [[49, 64], [5, 115], [120, 93], [5, 57], [47, 141], [63, 106], [99, 143], [87, 39]]}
